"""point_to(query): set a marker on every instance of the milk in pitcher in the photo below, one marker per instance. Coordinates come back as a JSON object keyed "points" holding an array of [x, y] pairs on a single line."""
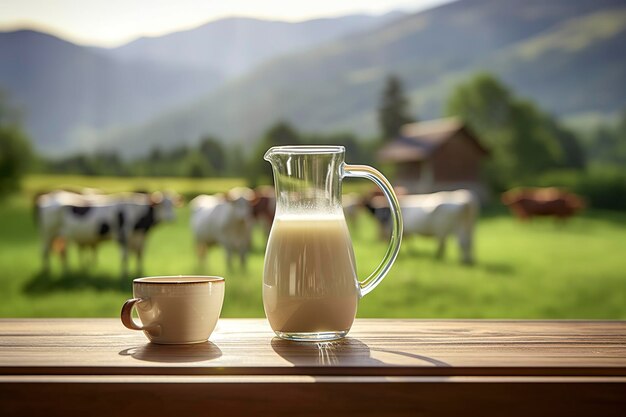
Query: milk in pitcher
{"points": [[310, 282]]}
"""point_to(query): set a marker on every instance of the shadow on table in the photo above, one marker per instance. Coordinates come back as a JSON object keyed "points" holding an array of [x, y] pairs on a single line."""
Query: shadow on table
{"points": [[422, 358], [344, 352], [152, 352], [42, 283]]}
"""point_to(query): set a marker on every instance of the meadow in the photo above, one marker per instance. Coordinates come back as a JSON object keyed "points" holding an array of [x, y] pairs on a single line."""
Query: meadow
{"points": [[535, 270]]}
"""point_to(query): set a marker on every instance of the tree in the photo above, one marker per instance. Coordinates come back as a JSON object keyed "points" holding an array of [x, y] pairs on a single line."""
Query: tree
{"points": [[213, 151], [357, 151], [235, 159], [109, 163], [394, 110], [619, 150], [156, 155], [524, 141], [608, 143], [15, 150], [196, 166], [573, 152], [483, 102], [280, 134]]}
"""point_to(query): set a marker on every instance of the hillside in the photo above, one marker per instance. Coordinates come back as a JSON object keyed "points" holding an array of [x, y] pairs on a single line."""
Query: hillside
{"points": [[69, 92], [66, 92], [564, 54], [233, 46]]}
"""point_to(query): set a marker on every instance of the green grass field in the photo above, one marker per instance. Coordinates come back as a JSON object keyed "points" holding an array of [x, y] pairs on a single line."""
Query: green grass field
{"points": [[524, 270]]}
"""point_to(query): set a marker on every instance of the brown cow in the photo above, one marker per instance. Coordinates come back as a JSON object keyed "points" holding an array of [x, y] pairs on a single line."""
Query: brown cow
{"points": [[264, 205], [527, 203]]}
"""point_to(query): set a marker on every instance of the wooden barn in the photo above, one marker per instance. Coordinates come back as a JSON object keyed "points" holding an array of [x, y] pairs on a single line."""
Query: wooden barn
{"points": [[436, 155]]}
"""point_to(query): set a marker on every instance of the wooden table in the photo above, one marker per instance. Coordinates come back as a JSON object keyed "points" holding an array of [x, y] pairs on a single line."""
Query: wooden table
{"points": [[97, 367]]}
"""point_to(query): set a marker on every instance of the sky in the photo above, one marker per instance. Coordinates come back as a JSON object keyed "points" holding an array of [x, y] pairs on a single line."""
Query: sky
{"points": [[111, 23]]}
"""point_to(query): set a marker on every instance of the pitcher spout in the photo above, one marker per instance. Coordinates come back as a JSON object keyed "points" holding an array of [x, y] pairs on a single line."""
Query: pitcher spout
{"points": [[307, 178], [270, 154]]}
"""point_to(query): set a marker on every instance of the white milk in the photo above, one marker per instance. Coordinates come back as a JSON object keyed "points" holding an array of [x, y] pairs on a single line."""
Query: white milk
{"points": [[310, 282]]}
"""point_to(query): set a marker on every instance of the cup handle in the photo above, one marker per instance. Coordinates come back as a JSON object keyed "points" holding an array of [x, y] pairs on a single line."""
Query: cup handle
{"points": [[127, 314], [364, 171]]}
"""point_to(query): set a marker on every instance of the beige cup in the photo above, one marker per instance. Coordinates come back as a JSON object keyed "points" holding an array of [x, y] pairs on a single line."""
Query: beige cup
{"points": [[176, 309]]}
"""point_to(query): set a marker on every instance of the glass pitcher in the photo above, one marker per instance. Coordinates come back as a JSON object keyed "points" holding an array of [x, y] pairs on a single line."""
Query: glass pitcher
{"points": [[310, 284]]}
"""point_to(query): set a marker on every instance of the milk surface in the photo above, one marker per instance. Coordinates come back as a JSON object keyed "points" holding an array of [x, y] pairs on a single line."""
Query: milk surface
{"points": [[309, 282]]}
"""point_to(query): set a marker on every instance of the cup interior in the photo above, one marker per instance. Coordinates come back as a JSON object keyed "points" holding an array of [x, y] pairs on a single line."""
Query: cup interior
{"points": [[179, 279]]}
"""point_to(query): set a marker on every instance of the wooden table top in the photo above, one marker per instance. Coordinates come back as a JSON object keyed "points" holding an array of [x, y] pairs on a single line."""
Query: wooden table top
{"points": [[96, 367], [373, 347]]}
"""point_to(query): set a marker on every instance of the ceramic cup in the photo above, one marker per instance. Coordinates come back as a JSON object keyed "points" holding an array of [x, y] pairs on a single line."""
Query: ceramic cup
{"points": [[176, 309]]}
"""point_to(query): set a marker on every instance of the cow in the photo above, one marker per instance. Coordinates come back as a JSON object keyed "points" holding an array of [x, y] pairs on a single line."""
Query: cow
{"points": [[225, 220], [527, 203], [264, 206], [435, 215], [49, 208], [87, 221], [351, 203]]}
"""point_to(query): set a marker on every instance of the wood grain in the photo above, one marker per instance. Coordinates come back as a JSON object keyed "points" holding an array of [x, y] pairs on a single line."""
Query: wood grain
{"points": [[374, 347], [385, 367]]}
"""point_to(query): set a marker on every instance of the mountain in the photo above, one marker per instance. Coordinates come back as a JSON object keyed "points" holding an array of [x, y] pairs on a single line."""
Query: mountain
{"points": [[65, 90], [565, 54], [232, 46], [68, 92]]}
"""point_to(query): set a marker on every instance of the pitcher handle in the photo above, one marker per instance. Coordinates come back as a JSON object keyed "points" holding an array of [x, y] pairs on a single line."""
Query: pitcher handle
{"points": [[364, 171]]}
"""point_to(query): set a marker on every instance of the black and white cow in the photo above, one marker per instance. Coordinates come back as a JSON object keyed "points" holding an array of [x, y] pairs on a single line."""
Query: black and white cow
{"points": [[49, 214], [71, 218], [224, 220], [435, 215]]}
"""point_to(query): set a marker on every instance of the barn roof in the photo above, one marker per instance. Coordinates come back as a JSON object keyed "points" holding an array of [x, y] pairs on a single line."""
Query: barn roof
{"points": [[418, 141]]}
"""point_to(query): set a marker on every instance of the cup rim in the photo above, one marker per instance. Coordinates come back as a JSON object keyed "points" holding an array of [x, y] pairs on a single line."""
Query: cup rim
{"points": [[178, 279]]}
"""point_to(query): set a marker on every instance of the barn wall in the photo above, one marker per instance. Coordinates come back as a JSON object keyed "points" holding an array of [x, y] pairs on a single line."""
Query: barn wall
{"points": [[458, 160], [456, 165], [408, 171]]}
